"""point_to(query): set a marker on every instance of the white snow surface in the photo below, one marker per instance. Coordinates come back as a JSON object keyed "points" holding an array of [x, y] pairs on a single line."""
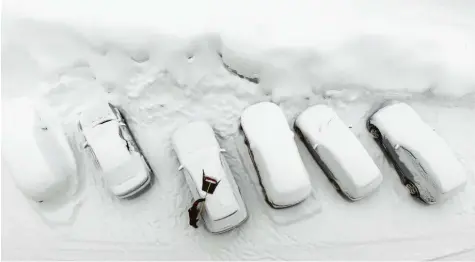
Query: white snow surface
{"points": [[403, 126], [278, 161], [160, 64], [359, 174]]}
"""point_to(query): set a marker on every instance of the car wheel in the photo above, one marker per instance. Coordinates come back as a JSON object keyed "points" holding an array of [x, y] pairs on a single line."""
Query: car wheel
{"points": [[404, 180], [412, 188], [374, 132]]}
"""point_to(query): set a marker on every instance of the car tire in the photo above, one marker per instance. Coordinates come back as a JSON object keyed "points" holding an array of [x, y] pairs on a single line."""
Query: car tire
{"points": [[412, 188], [375, 133]]}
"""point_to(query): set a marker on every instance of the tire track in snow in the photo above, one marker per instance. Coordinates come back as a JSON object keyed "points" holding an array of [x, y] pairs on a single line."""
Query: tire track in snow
{"points": [[452, 254]]}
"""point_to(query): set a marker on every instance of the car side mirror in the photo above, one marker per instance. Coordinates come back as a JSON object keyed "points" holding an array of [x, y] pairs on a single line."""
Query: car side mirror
{"points": [[315, 146], [180, 167], [222, 150], [397, 146]]}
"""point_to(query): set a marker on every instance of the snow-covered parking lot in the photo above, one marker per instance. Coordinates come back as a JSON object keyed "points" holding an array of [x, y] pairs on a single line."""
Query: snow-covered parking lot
{"points": [[162, 82]]}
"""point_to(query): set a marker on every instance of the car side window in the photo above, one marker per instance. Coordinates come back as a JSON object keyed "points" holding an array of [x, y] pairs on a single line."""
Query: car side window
{"points": [[413, 158], [407, 158], [415, 163]]}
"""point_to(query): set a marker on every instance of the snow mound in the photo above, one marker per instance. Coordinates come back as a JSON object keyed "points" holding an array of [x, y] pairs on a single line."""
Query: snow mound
{"points": [[36, 151]]}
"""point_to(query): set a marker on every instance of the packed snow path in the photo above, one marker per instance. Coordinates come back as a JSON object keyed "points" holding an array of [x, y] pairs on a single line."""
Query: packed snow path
{"points": [[168, 89]]}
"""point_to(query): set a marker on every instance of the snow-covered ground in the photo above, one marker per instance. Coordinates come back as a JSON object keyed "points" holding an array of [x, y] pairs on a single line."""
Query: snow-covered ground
{"points": [[164, 71]]}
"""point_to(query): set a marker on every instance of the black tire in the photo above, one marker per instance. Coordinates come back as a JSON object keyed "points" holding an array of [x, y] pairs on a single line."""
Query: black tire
{"points": [[413, 190], [374, 131]]}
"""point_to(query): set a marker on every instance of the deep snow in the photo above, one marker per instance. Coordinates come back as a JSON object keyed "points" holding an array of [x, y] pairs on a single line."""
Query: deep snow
{"points": [[162, 82]]}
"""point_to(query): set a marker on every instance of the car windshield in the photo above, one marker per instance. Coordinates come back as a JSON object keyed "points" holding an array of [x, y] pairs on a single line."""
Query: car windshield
{"points": [[108, 147]]}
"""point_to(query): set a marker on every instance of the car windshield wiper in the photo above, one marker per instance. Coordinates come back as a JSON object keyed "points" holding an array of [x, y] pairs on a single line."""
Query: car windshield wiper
{"points": [[103, 122]]}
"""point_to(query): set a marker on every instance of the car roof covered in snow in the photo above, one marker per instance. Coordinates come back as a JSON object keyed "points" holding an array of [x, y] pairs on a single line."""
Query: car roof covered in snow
{"points": [[197, 149], [109, 148], [193, 137], [321, 126], [402, 125], [267, 130]]}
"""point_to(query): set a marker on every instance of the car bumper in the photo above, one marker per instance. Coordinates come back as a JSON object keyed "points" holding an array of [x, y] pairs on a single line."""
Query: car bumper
{"points": [[136, 189]]}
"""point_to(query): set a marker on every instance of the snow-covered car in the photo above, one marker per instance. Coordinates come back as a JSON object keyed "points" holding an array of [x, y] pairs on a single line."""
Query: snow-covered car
{"points": [[36, 152], [199, 153], [424, 161], [338, 152], [275, 155], [114, 150]]}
